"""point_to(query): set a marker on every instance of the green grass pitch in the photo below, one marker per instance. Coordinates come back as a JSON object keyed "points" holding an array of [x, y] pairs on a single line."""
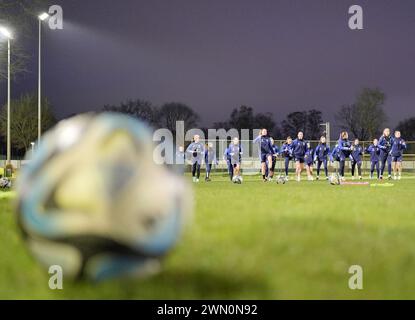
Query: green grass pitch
{"points": [[257, 241]]}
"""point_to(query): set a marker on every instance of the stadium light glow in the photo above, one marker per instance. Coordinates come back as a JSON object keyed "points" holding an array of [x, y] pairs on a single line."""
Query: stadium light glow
{"points": [[43, 16], [6, 32]]}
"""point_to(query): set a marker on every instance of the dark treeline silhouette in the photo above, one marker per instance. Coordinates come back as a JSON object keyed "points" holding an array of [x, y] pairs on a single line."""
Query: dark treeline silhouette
{"points": [[165, 116], [407, 127], [24, 122], [363, 119], [245, 118]]}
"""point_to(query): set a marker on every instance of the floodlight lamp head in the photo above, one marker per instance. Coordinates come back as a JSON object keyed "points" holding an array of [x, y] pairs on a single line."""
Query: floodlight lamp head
{"points": [[6, 32], [43, 16]]}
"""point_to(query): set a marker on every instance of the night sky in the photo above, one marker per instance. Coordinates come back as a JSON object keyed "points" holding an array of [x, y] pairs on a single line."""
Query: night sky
{"points": [[276, 56]]}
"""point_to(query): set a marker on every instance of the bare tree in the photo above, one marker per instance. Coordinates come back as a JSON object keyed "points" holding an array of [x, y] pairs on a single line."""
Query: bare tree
{"points": [[140, 109], [365, 118], [21, 17], [24, 121], [172, 112]]}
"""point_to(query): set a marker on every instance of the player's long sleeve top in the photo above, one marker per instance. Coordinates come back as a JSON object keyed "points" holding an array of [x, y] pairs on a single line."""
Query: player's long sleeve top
{"points": [[287, 150], [195, 152], [275, 150], [236, 152], [210, 156], [345, 149], [265, 145], [374, 152], [385, 144], [357, 153], [299, 148], [334, 155], [398, 147], [309, 156], [321, 152]]}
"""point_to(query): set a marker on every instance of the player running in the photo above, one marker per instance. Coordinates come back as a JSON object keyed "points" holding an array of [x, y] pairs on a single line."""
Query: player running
{"points": [[385, 144], [235, 151], [374, 152], [287, 153], [299, 147], [266, 153], [309, 161], [227, 157], [196, 152], [397, 149], [320, 156], [275, 151], [210, 159], [345, 149], [356, 158]]}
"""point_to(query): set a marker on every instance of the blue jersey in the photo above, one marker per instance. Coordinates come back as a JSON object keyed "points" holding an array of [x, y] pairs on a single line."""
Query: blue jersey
{"points": [[345, 149], [397, 147], [334, 156], [226, 155], [265, 145], [287, 150], [275, 150], [299, 148], [235, 152], [374, 152], [357, 153], [210, 155], [195, 151], [322, 151], [309, 156], [385, 144]]}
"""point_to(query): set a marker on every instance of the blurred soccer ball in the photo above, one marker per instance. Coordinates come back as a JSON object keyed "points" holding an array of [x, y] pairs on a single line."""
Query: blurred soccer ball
{"points": [[93, 201], [237, 179], [281, 179], [5, 183], [334, 179]]}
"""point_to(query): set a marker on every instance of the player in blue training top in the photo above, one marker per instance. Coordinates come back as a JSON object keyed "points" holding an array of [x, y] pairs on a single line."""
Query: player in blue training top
{"points": [[345, 149], [320, 156], [227, 157], [275, 152], [397, 149], [356, 158], [299, 147], [195, 152], [374, 152], [287, 152], [210, 159], [309, 161], [236, 152], [385, 144], [266, 153]]}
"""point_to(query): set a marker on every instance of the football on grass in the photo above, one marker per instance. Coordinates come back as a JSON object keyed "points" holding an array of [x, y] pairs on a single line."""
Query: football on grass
{"points": [[93, 201]]}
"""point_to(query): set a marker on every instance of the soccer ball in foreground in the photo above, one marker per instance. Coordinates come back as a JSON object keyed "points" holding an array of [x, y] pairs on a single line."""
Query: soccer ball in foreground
{"points": [[5, 183], [334, 179], [237, 179], [93, 201], [281, 179]]}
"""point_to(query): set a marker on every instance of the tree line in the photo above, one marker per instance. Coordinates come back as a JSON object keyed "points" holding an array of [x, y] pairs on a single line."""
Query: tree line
{"points": [[363, 119]]}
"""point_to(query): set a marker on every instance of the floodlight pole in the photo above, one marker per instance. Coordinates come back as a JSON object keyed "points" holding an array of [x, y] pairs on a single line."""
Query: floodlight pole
{"points": [[8, 104], [41, 18], [39, 103]]}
